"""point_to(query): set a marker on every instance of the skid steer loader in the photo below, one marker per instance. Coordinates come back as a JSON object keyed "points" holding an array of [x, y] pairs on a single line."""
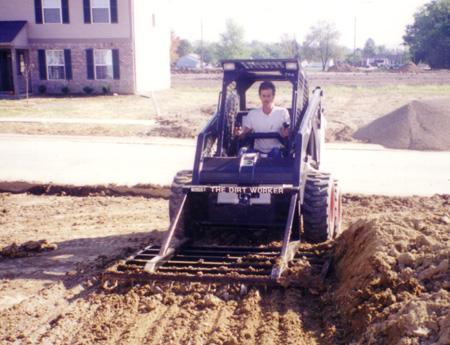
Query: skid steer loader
{"points": [[248, 218]]}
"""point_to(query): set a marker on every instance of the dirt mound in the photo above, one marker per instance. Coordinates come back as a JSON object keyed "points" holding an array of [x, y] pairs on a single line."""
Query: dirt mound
{"points": [[410, 67], [342, 68], [393, 274], [419, 125], [143, 190], [341, 134], [27, 249]]}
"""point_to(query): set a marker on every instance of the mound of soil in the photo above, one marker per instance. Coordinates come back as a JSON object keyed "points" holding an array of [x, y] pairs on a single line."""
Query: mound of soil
{"points": [[394, 277], [27, 249], [419, 125], [410, 67], [342, 67], [142, 190]]}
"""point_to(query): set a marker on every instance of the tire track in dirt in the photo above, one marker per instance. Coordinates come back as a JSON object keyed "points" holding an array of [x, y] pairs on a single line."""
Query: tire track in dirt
{"points": [[283, 312], [68, 324], [32, 320], [122, 318]]}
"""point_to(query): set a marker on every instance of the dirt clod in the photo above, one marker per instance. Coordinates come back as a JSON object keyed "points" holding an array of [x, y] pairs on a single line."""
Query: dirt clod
{"points": [[27, 249]]}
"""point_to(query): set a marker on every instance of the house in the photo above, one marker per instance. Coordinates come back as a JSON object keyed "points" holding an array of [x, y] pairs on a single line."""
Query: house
{"points": [[189, 61], [122, 44], [375, 60]]}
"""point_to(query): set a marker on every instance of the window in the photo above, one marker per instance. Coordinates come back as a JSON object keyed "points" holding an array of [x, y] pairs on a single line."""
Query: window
{"points": [[55, 64], [52, 11], [100, 11], [103, 64]]}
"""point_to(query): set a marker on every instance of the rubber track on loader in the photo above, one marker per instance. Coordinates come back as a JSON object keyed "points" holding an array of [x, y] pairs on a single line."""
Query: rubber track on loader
{"points": [[230, 265]]}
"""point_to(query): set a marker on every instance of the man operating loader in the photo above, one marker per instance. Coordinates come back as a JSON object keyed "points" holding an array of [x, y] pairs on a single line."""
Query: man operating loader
{"points": [[266, 119]]}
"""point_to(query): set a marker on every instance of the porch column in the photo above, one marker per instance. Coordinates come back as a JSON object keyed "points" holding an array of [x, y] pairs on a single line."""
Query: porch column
{"points": [[14, 71]]}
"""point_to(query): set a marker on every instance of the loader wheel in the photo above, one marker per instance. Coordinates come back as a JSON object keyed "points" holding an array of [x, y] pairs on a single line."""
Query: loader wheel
{"points": [[318, 208], [176, 191], [337, 209]]}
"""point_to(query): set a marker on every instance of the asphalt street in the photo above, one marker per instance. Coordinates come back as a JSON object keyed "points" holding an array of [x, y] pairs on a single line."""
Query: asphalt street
{"points": [[361, 168]]}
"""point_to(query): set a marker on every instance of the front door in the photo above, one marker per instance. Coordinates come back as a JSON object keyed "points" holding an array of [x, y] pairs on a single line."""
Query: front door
{"points": [[6, 77]]}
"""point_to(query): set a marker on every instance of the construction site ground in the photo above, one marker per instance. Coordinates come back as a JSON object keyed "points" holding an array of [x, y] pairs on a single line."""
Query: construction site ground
{"points": [[390, 285]]}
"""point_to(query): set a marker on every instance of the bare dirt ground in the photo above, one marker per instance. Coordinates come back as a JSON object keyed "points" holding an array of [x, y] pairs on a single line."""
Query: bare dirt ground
{"points": [[390, 285]]}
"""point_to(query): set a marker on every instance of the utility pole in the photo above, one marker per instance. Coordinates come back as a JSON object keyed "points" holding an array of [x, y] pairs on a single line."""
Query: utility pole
{"points": [[354, 44], [203, 56]]}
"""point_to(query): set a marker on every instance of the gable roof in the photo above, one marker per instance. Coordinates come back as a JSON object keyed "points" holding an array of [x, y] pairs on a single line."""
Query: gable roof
{"points": [[10, 29]]}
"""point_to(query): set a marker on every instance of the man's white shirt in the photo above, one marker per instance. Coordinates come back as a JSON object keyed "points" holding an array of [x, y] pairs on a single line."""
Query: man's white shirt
{"points": [[259, 122]]}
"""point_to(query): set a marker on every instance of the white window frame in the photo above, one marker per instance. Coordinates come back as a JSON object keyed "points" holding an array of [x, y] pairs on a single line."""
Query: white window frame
{"points": [[101, 64], [51, 8], [63, 64], [93, 7]]}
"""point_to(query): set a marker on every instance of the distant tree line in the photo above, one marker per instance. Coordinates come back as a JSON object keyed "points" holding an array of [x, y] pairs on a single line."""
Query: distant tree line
{"points": [[429, 37], [320, 45], [428, 40]]}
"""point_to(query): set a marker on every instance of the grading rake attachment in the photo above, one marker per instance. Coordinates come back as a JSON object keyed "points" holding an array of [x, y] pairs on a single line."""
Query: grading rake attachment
{"points": [[226, 265]]}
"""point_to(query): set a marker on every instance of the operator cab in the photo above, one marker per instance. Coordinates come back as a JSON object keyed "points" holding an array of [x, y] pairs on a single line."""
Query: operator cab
{"points": [[240, 95]]}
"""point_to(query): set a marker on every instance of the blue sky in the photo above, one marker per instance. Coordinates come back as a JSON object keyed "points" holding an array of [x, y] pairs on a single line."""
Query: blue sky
{"points": [[266, 20]]}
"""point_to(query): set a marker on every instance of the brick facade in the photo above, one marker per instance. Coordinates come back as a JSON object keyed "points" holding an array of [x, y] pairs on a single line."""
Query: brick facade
{"points": [[139, 45], [124, 85]]}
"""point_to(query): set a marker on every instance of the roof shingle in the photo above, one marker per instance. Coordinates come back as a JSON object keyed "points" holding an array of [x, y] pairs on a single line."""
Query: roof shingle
{"points": [[10, 29]]}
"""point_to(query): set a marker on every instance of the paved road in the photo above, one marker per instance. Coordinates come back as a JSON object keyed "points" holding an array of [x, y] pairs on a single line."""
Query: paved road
{"points": [[367, 169]]}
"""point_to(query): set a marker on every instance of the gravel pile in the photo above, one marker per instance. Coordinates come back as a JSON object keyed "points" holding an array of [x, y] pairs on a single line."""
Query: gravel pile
{"points": [[419, 125]]}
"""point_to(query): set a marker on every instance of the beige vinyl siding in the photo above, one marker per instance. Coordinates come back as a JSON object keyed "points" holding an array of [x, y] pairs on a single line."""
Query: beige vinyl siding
{"points": [[17, 10], [78, 29], [21, 40], [24, 10]]}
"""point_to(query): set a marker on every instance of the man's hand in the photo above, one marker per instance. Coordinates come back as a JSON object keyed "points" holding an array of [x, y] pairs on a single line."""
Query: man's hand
{"points": [[242, 135], [285, 132]]}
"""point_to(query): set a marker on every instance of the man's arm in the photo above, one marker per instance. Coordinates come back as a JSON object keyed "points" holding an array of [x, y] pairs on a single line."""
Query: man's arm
{"points": [[285, 126], [244, 133], [285, 130]]}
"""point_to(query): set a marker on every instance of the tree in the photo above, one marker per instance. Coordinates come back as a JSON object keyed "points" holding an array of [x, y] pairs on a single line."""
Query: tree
{"points": [[260, 50], [184, 47], [209, 51], [174, 43], [231, 45], [354, 58], [369, 47], [429, 37], [27, 70], [290, 47], [321, 42], [381, 49]]}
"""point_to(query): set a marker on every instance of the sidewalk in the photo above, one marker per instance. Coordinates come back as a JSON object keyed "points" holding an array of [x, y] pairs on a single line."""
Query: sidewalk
{"points": [[87, 121], [361, 168]]}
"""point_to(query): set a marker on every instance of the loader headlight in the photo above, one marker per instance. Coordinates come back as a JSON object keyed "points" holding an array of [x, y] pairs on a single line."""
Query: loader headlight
{"points": [[292, 65], [229, 66]]}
